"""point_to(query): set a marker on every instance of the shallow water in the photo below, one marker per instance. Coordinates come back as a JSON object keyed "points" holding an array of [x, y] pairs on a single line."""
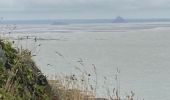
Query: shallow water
{"points": [[140, 50]]}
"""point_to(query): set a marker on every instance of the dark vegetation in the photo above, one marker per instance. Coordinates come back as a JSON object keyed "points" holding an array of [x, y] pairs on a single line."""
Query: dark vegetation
{"points": [[20, 79]]}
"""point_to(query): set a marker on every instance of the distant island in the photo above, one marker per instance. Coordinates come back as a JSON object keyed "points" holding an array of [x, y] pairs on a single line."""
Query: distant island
{"points": [[119, 20]]}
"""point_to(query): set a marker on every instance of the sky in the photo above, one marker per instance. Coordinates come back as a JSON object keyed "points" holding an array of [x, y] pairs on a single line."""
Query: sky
{"points": [[83, 9]]}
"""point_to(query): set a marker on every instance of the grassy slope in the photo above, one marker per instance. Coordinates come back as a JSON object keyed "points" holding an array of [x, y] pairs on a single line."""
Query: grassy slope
{"points": [[20, 79]]}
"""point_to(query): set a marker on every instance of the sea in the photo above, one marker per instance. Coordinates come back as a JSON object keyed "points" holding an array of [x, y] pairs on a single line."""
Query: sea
{"points": [[132, 56]]}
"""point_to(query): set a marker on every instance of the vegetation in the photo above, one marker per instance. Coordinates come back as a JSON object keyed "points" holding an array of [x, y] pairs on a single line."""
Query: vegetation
{"points": [[20, 79]]}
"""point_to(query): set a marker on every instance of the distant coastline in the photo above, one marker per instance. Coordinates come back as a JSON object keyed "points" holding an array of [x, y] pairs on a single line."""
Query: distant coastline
{"points": [[81, 21]]}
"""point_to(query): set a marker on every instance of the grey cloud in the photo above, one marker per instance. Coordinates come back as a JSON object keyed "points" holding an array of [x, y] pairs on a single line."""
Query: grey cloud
{"points": [[80, 7]]}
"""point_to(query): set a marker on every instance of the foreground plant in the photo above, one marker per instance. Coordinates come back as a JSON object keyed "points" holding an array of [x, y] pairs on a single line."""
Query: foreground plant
{"points": [[20, 79]]}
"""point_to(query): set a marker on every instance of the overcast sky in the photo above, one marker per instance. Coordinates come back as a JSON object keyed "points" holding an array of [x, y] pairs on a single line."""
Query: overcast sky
{"points": [[83, 9]]}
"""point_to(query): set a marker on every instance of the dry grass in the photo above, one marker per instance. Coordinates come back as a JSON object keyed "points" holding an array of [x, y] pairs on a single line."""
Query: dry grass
{"points": [[65, 92], [74, 88]]}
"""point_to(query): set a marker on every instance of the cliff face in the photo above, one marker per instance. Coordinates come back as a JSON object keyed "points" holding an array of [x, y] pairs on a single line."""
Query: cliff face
{"points": [[20, 79]]}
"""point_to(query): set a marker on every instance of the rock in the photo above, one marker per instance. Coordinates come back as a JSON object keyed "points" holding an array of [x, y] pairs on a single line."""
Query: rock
{"points": [[119, 20]]}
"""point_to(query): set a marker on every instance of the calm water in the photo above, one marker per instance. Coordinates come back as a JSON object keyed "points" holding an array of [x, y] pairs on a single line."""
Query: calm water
{"points": [[140, 50]]}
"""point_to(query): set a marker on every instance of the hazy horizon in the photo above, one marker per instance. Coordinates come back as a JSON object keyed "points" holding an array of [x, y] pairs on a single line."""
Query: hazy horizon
{"points": [[83, 9], [149, 18]]}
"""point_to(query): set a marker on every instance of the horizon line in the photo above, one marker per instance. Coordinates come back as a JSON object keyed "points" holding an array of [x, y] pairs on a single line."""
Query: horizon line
{"points": [[3, 19]]}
